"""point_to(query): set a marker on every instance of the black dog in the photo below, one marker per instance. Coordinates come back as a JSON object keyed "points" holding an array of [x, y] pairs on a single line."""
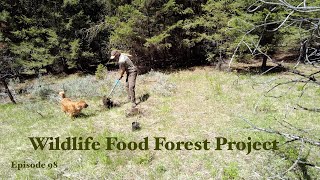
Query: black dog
{"points": [[135, 126], [108, 103]]}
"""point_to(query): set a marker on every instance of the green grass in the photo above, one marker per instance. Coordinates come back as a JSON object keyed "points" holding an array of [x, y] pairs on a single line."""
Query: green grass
{"points": [[183, 106]]}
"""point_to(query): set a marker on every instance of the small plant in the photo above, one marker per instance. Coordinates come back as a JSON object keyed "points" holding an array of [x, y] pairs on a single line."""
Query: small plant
{"points": [[101, 72], [216, 84], [161, 169], [143, 159], [231, 172]]}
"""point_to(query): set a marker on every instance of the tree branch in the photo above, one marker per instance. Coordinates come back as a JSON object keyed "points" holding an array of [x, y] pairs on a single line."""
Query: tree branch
{"points": [[309, 109], [292, 7], [286, 135]]}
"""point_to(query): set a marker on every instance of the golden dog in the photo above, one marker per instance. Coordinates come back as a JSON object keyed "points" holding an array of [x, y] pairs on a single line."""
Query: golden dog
{"points": [[70, 107]]}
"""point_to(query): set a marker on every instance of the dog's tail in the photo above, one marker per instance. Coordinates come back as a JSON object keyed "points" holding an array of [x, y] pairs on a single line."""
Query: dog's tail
{"points": [[62, 94]]}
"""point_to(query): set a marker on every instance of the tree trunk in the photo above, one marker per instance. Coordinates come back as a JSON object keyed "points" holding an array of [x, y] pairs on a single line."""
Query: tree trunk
{"points": [[303, 51], [264, 63], [8, 91], [220, 61]]}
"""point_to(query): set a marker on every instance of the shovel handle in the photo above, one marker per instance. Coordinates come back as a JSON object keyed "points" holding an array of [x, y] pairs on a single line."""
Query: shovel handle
{"points": [[114, 86]]}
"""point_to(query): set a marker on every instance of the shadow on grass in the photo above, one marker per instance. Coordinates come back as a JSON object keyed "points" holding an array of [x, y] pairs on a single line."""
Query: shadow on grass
{"points": [[304, 169], [258, 70], [82, 115]]}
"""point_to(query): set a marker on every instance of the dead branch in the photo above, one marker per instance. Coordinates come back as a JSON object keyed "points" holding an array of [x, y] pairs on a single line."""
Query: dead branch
{"points": [[284, 93], [310, 77], [93, 31], [309, 109], [293, 165], [286, 135], [305, 79], [302, 7], [308, 164], [287, 82], [287, 5], [290, 126]]}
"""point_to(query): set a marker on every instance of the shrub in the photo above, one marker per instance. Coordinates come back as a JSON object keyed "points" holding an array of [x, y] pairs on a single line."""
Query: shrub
{"points": [[163, 86], [88, 86], [40, 89], [101, 72], [43, 92], [82, 86]]}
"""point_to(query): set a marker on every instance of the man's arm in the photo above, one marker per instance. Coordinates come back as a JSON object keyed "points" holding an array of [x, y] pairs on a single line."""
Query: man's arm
{"points": [[121, 73]]}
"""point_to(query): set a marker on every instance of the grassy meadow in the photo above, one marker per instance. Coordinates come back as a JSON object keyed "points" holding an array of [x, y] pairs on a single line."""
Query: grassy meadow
{"points": [[188, 105]]}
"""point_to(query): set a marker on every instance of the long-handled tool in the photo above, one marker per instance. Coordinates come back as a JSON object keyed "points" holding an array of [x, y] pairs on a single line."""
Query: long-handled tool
{"points": [[114, 86], [106, 100]]}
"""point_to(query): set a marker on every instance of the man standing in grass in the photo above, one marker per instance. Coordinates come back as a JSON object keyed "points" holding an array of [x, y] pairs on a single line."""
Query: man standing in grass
{"points": [[126, 65]]}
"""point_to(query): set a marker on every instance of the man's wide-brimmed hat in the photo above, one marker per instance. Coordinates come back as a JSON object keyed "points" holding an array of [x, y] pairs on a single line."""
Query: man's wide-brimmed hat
{"points": [[114, 53]]}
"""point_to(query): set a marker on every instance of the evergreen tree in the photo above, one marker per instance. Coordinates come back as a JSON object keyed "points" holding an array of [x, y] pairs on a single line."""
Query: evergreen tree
{"points": [[48, 33], [72, 34]]}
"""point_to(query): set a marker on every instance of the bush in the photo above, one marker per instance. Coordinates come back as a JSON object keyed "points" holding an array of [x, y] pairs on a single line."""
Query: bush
{"points": [[43, 92], [162, 85], [82, 86], [74, 86], [40, 89], [88, 86], [101, 72]]}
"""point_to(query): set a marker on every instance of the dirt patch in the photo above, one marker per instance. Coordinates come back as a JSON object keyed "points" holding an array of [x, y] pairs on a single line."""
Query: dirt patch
{"points": [[255, 68], [286, 57]]}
